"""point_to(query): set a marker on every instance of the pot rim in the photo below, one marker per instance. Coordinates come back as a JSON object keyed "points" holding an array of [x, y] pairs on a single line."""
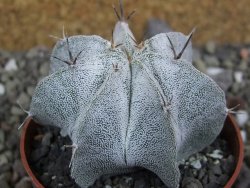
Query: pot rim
{"points": [[229, 184], [240, 153], [26, 165]]}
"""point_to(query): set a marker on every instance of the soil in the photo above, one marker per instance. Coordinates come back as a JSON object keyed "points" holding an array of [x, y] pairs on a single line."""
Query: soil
{"points": [[50, 162]]}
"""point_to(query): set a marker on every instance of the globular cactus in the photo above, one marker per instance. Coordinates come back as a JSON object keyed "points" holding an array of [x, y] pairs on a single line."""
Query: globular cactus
{"points": [[127, 106]]}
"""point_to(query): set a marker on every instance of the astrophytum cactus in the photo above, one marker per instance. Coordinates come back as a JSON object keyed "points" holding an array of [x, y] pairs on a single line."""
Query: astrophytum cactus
{"points": [[127, 105]]}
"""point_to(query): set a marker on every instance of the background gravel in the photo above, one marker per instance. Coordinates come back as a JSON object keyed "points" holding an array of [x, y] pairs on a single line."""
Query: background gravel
{"points": [[229, 65]]}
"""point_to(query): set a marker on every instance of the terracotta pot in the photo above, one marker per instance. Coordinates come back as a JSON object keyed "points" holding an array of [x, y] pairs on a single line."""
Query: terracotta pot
{"points": [[230, 133]]}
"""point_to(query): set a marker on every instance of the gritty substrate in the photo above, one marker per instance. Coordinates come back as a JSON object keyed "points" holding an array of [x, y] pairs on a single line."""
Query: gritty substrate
{"points": [[50, 159]]}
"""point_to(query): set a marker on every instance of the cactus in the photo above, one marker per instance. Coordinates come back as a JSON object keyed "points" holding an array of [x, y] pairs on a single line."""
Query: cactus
{"points": [[127, 106]]}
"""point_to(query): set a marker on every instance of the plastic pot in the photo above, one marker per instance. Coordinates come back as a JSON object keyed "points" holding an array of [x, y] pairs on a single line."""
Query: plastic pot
{"points": [[230, 133]]}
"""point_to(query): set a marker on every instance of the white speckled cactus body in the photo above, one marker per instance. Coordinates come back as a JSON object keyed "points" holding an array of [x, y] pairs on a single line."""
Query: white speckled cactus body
{"points": [[126, 106]]}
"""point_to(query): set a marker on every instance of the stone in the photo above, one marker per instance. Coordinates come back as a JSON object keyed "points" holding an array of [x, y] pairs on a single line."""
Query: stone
{"points": [[141, 183], [44, 69], [18, 167], [24, 100], [108, 181], [1, 147], [9, 155], [210, 47], [242, 117], [201, 173], [200, 65], [3, 159], [196, 164], [10, 86], [216, 169], [243, 65], [30, 90], [11, 65], [4, 184], [4, 77], [243, 180], [189, 182], [222, 180], [243, 135], [6, 176], [244, 53], [238, 76], [215, 155], [235, 88], [12, 140], [2, 89], [211, 176], [108, 186], [228, 64], [227, 164], [211, 185], [16, 111], [222, 77], [39, 153], [204, 179], [211, 61], [46, 141], [196, 54], [24, 183], [156, 26], [2, 136]]}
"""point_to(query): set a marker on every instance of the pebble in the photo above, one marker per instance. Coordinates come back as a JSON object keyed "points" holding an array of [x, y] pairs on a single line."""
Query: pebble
{"points": [[196, 164], [213, 71], [200, 65], [211, 61], [228, 64], [11, 85], [24, 100], [140, 183], [216, 169], [238, 76], [215, 155], [244, 53], [11, 65], [3, 159], [18, 167], [46, 140], [39, 153], [6, 176], [2, 89], [2, 136], [210, 47], [44, 69], [221, 76], [243, 135], [108, 186], [30, 91], [243, 180], [222, 180], [156, 26], [1, 147], [4, 184], [189, 182], [16, 111], [24, 183], [242, 117]]}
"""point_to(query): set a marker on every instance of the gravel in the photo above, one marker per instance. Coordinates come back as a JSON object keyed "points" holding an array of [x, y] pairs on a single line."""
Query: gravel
{"points": [[20, 72]]}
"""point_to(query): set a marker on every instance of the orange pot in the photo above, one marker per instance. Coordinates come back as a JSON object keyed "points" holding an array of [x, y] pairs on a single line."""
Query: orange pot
{"points": [[230, 133]]}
